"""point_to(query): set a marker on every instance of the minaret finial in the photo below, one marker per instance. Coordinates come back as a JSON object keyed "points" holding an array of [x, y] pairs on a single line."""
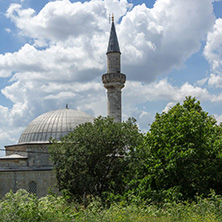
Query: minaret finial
{"points": [[113, 45], [114, 80]]}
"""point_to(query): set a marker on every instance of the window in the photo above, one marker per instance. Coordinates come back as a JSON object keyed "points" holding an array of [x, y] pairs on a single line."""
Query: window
{"points": [[32, 187]]}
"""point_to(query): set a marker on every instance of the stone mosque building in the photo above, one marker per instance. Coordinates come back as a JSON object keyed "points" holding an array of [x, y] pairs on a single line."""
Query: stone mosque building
{"points": [[27, 164]]}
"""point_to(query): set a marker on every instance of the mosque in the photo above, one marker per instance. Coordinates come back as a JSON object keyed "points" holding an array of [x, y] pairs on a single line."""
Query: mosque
{"points": [[26, 165]]}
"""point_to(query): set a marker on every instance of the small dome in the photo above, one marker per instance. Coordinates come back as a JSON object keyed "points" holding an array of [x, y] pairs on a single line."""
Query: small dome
{"points": [[54, 124]]}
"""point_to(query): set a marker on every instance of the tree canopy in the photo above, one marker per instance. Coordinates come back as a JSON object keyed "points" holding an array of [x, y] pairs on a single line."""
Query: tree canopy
{"points": [[183, 153], [178, 158], [94, 158]]}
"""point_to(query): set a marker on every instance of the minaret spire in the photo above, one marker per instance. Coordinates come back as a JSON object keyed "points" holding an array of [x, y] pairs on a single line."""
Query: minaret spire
{"points": [[113, 80], [113, 45]]}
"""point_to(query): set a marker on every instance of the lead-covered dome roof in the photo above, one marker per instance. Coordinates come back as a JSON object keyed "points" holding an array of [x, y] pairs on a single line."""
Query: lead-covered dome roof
{"points": [[54, 124]]}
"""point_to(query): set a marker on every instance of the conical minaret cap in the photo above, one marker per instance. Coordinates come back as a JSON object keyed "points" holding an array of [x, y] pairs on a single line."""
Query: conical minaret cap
{"points": [[113, 41]]}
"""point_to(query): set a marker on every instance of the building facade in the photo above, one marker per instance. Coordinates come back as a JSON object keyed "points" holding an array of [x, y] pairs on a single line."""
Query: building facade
{"points": [[27, 164]]}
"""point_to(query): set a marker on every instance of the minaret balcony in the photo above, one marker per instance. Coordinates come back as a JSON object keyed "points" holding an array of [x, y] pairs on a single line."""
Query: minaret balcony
{"points": [[114, 78]]}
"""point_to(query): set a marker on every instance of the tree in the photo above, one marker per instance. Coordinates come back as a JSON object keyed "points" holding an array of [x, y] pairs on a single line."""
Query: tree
{"points": [[183, 153], [94, 158]]}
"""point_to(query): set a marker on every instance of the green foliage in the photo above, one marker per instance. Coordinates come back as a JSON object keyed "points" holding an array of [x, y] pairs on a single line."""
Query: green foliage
{"points": [[94, 158], [183, 154], [22, 206], [19, 207]]}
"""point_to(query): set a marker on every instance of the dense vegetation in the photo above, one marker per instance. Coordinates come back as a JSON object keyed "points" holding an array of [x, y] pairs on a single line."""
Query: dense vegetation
{"points": [[178, 158], [112, 172], [181, 155], [94, 159], [22, 206]]}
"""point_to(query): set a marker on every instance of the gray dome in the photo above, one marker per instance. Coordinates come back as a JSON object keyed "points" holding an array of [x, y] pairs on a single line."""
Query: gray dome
{"points": [[54, 124]]}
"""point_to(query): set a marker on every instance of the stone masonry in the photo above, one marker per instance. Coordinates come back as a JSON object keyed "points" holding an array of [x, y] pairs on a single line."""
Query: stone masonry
{"points": [[114, 80]]}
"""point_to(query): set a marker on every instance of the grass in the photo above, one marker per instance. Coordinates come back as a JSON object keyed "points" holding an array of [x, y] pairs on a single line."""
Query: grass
{"points": [[22, 206]]}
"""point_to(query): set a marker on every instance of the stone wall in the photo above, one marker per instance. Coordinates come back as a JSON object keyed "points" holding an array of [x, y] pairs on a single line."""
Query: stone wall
{"points": [[14, 162], [37, 153], [18, 149], [44, 180], [27, 166]]}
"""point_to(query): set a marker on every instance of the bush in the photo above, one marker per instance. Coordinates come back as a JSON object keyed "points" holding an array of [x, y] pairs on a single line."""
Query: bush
{"points": [[20, 206], [23, 206]]}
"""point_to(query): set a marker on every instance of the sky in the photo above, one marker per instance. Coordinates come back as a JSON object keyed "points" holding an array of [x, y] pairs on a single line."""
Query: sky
{"points": [[53, 53]]}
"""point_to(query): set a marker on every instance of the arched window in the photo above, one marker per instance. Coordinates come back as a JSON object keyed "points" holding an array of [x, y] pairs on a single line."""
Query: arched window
{"points": [[32, 187]]}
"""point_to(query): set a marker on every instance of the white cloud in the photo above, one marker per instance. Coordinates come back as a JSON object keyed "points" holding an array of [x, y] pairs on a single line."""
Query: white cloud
{"points": [[215, 80], [162, 38], [144, 119], [218, 118], [138, 93], [64, 57], [60, 20], [8, 30], [213, 48], [169, 106], [213, 53], [154, 41], [201, 82]]}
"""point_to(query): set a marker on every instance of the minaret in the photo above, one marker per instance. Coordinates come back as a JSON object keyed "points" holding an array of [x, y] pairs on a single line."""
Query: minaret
{"points": [[114, 80]]}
